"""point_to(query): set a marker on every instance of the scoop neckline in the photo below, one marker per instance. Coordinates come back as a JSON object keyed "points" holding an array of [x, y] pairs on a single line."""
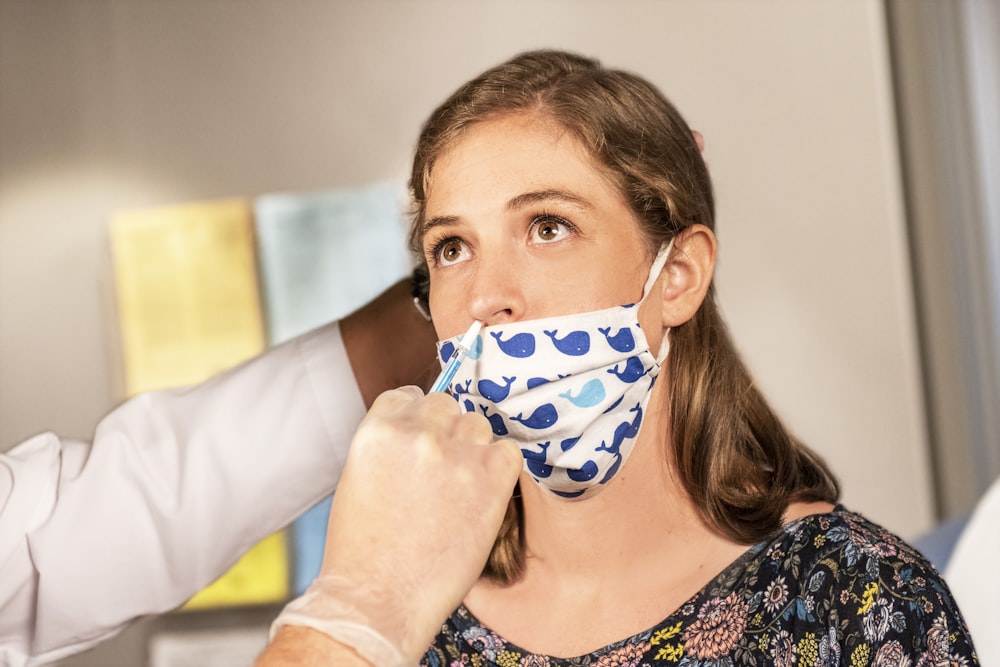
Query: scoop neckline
{"points": [[751, 552]]}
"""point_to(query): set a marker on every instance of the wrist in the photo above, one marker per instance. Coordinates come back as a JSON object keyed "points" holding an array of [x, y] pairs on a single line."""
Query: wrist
{"points": [[305, 647], [337, 610]]}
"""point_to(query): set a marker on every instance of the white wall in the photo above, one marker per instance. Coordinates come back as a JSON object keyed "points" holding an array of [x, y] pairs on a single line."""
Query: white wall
{"points": [[111, 104]]}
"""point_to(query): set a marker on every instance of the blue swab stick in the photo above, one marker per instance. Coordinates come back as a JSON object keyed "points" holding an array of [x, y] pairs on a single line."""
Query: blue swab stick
{"points": [[457, 357]]}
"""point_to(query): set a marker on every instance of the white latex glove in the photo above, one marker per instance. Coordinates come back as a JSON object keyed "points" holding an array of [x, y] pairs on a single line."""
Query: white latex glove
{"points": [[415, 515]]}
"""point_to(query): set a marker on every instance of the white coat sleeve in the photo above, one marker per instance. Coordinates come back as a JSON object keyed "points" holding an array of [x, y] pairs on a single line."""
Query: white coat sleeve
{"points": [[174, 487]]}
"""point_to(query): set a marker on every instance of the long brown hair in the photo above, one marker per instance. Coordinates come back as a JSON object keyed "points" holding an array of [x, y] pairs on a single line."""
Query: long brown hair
{"points": [[732, 454]]}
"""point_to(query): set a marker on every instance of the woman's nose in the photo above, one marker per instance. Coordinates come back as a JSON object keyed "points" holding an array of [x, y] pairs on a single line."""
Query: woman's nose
{"points": [[496, 295]]}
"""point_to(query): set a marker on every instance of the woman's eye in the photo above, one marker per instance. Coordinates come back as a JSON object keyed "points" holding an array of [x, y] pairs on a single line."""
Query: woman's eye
{"points": [[449, 251], [548, 229]]}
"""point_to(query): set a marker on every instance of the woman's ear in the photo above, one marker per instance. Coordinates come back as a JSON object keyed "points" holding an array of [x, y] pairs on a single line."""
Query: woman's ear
{"points": [[687, 274]]}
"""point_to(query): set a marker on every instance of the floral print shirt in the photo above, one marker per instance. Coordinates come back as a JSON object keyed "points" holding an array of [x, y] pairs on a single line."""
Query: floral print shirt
{"points": [[830, 589]]}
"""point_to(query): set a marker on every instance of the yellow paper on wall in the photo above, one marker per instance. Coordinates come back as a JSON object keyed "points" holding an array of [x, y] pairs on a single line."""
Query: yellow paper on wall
{"points": [[189, 307], [188, 301], [259, 577]]}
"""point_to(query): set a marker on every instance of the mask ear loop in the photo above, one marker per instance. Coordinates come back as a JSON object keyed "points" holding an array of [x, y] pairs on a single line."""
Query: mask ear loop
{"points": [[419, 288], [664, 346], [659, 262], [419, 305], [657, 266]]}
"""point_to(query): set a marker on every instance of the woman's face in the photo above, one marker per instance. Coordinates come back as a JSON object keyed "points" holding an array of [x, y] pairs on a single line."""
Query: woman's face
{"points": [[521, 224]]}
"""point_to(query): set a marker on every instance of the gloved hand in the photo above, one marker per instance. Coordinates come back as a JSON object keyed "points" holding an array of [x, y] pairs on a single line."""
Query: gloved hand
{"points": [[417, 510]]}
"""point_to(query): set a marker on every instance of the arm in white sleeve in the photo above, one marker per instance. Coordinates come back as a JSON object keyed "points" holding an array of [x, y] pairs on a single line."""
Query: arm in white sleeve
{"points": [[175, 486]]}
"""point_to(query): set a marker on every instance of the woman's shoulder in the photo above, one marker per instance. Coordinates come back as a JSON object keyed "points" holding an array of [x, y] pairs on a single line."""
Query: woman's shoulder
{"points": [[868, 584], [855, 534], [843, 547]]}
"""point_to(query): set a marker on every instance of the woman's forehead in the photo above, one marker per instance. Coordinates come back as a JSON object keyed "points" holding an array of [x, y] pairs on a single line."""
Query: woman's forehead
{"points": [[510, 155]]}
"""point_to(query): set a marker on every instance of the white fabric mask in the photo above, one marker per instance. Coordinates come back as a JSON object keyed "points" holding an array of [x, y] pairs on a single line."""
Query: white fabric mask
{"points": [[570, 390]]}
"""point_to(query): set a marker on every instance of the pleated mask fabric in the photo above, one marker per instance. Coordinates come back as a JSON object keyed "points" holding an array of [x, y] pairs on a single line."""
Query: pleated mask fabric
{"points": [[570, 390]]}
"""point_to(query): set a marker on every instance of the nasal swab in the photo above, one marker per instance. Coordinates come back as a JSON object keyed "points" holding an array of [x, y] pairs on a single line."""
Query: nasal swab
{"points": [[457, 357]]}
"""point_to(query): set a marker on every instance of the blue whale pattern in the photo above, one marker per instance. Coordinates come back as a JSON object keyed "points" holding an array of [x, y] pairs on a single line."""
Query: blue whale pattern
{"points": [[493, 391], [587, 472], [476, 349], [536, 382], [495, 420], [612, 470], [633, 370], [568, 443], [536, 461], [544, 416], [590, 394], [621, 341], [623, 431], [520, 345], [574, 344], [569, 494]]}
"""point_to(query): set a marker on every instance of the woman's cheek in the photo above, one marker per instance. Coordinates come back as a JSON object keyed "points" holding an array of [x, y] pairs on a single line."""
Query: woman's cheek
{"points": [[444, 313]]}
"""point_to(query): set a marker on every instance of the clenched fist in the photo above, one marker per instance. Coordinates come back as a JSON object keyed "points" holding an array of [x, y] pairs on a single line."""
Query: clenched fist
{"points": [[416, 513]]}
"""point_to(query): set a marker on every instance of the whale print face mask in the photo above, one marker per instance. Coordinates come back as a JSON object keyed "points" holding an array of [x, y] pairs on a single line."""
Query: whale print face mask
{"points": [[570, 390]]}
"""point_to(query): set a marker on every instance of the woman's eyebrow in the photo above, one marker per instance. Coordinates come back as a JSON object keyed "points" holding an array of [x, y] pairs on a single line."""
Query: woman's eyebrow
{"points": [[529, 198], [439, 221], [517, 203]]}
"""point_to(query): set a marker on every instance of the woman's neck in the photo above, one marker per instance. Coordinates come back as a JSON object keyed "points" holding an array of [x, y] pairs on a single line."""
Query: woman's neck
{"points": [[607, 566], [640, 509]]}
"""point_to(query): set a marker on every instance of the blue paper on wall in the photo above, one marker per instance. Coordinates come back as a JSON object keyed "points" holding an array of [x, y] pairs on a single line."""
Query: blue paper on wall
{"points": [[308, 539], [321, 256]]}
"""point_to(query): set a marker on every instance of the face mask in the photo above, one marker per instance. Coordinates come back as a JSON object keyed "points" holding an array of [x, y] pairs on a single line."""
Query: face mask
{"points": [[570, 390]]}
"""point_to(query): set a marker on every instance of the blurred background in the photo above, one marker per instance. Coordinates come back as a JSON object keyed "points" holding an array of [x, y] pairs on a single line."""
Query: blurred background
{"points": [[854, 146]]}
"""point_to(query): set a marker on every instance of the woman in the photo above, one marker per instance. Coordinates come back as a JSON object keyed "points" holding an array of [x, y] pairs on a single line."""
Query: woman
{"points": [[665, 516]]}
